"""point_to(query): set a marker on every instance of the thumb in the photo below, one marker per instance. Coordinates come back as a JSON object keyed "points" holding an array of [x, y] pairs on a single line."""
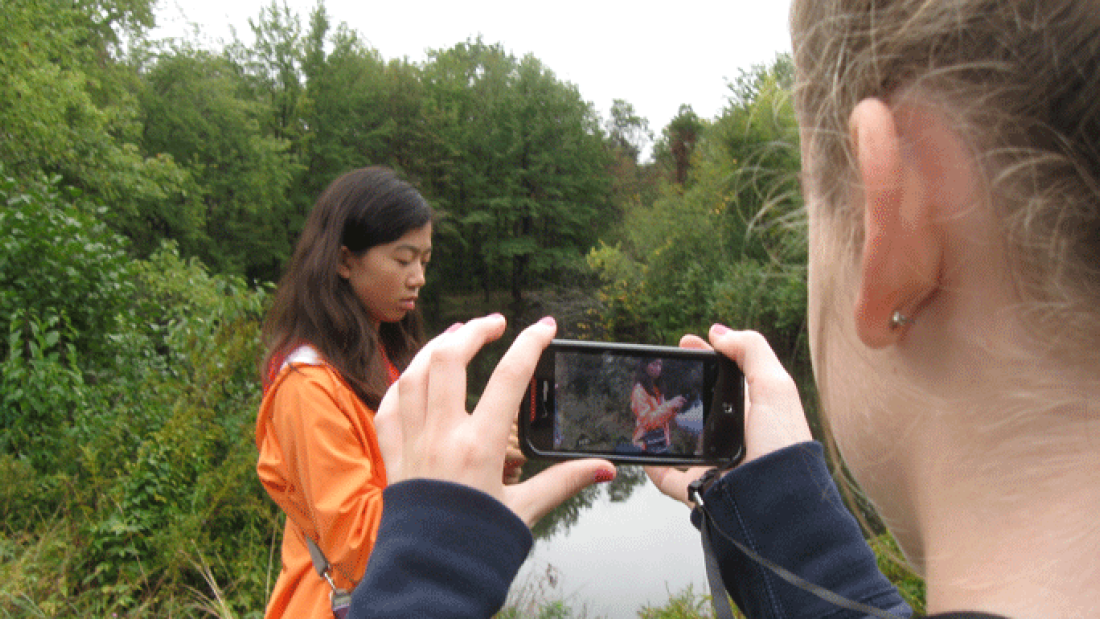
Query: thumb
{"points": [[387, 428], [535, 497], [674, 482]]}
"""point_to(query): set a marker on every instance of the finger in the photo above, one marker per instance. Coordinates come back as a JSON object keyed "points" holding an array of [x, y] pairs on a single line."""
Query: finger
{"points": [[694, 341], [447, 368], [499, 404], [412, 390], [774, 418], [674, 482], [755, 357], [387, 427], [535, 497]]}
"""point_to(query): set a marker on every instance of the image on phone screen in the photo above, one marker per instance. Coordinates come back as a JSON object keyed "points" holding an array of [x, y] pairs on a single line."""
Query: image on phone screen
{"points": [[633, 403]]}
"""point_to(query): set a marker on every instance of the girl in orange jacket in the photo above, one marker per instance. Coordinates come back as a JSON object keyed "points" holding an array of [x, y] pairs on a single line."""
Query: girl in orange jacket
{"points": [[343, 325], [652, 413]]}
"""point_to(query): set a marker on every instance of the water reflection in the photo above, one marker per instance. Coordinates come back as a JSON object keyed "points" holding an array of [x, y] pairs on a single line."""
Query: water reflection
{"points": [[562, 519], [611, 552]]}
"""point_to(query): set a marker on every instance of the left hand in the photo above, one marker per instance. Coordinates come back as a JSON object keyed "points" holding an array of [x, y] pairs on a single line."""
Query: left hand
{"points": [[425, 432]]}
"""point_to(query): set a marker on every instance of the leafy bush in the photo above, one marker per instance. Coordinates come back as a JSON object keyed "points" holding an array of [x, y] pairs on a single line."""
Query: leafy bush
{"points": [[128, 397], [728, 244], [57, 259]]}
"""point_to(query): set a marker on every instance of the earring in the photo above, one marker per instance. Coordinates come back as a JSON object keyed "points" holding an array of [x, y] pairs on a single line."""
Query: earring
{"points": [[899, 320]]}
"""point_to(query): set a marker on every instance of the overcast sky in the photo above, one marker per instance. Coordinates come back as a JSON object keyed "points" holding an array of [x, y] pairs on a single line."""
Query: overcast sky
{"points": [[655, 55]]}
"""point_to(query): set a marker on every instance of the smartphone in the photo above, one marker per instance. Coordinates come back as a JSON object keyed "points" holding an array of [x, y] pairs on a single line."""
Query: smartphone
{"points": [[634, 404]]}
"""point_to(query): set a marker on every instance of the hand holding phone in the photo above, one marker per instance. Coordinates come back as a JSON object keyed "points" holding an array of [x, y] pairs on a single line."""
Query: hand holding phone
{"points": [[634, 404], [774, 418], [425, 431]]}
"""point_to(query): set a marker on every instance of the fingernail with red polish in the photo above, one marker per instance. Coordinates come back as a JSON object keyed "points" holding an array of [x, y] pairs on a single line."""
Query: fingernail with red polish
{"points": [[548, 321], [604, 476], [717, 330]]}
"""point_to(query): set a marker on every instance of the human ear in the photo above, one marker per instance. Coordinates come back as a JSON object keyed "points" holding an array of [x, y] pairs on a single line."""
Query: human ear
{"points": [[902, 249], [343, 267]]}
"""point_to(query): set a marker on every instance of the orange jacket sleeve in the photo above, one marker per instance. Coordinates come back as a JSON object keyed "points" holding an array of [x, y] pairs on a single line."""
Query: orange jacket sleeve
{"points": [[320, 462], [650, 411]]}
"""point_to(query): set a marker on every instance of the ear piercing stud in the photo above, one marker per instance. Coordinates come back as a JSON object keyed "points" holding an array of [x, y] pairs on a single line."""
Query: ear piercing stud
{"points": [[899, 320]]}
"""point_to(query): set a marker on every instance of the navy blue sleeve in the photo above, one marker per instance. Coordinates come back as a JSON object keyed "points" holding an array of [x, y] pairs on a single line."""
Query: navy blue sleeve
{"points": [[444, 551], [786, 507]]}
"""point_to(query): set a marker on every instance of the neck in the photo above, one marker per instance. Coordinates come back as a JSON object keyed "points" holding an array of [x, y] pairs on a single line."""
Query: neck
{"points": [[1011, 533]]}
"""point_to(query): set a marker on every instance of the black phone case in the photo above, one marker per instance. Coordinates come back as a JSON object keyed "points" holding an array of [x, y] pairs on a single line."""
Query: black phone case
{"points": [[723, 422]]}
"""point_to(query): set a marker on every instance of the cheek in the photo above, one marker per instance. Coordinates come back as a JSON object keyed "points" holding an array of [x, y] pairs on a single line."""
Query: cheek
{"points": [[840, 362], [824, 291]]}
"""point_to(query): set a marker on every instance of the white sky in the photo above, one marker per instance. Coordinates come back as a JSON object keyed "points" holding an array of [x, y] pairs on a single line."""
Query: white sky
{"points": [[654, 55]]}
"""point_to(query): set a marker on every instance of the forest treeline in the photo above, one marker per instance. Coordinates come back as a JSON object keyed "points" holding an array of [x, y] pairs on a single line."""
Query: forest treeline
{"points": [[151, 192]]}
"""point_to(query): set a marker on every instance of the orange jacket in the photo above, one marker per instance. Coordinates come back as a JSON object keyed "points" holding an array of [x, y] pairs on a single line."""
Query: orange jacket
{"points": [[319, 460], [650, 412]]}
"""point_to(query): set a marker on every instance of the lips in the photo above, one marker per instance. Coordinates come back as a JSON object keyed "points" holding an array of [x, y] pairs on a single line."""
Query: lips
{"points": [[408, 304]]}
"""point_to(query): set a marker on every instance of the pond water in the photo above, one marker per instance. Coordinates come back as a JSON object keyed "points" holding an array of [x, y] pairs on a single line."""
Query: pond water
{"points": [[621, 550]]}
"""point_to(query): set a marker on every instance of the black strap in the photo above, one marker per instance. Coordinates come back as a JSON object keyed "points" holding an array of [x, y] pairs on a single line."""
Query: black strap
{"points": [[717, 588], [718, 597]]}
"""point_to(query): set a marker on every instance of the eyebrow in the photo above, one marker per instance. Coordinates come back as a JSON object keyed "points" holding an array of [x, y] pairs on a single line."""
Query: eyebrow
{"points": [[414, 249]]}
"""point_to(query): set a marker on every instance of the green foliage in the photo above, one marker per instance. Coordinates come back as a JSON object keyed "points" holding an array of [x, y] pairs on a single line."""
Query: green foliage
{"points": [[627, 132], [60, 264], [128, 400], [66, 103], [726, 244], [64, 283], [523, 180], [893, 566], [686, 604], [42, 387]]}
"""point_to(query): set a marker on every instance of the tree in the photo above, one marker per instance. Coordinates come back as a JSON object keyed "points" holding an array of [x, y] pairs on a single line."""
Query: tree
{"points": [[345, 106], [67, 106], [524, 178], [725, 241], [627, 132], [679, 140], [274, 62], [197, 110]]}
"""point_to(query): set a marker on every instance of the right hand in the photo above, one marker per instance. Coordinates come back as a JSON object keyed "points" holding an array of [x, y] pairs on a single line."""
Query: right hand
{"points": [[774, 418], [425, 432]]}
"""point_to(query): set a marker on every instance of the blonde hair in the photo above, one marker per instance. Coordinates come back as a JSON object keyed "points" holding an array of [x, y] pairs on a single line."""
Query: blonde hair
{"points": [[1023, 80]]}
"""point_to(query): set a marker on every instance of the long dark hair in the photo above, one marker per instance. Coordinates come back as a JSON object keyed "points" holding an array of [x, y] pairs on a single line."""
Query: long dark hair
{"points": [[642, 377], [314, 305]]}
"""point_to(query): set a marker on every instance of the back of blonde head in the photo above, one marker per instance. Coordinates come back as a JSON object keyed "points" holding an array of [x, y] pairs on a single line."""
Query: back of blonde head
{"points": [[1023, 80]]}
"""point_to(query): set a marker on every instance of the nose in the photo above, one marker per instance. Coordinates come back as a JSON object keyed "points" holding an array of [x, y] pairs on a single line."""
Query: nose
{"points": [[416, 278]]}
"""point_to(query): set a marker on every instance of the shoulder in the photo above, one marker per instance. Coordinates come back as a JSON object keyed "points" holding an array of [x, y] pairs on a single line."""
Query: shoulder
{"points": [[307, 384], [305, 368]]}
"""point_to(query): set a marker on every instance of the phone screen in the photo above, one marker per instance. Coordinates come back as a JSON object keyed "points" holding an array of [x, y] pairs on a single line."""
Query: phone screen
{"points": [[634, 404]]}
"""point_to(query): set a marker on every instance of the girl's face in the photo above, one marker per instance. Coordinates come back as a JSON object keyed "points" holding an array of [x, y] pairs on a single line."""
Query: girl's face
{"points": [[387, 278], [654, 368]]}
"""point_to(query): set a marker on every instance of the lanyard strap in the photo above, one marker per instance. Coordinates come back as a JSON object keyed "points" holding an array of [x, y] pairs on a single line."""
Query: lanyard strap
{"points": [[340, 598], [718, 590], [718, 597]]}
